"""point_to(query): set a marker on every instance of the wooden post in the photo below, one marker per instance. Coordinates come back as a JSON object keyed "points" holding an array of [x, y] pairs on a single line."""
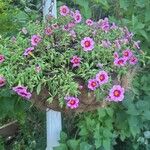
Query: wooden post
{"points": [[53, 118]]}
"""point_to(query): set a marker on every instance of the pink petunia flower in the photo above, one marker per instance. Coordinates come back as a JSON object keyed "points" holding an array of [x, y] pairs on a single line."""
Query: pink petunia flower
{"points": [[75, 60], [28, 51], [55, 26], [71, 24], [2, 58], [128, 35], [117, 44], [2, 81], [72, 102], [22, 91], [64, 10], [127, 53], [106, 43], [92, 84], [120, 61], [116, 94], [77, 17], [35, 40], [133, 60], [114, 27], [48, 31], [104, 25], [89, 22], [87, 43], [116, 55], [102, 77]]}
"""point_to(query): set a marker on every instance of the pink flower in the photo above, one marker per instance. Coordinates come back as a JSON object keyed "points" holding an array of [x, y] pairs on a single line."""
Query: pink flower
{"points": [[89, 22], [104, 25], [127, 53], [55, 26], [92, 84], [102, 77], [72, 33], [48, 31], [133, 60], [2, 58], [71, 24], [116, 94], [106, 43], [75, 60], [117, 44], [87, 43], [120, 61], [114, 27], [128, 35], [35, 40], [28, 51], [24, 30], [77, 17], [64, 10], [136, 44], [116, 55], [2, 81], [72, 102], [22, 91]]}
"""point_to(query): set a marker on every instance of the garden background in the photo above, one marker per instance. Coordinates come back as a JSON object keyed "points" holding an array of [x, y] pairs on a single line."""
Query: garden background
{"points": [[119, 127]]}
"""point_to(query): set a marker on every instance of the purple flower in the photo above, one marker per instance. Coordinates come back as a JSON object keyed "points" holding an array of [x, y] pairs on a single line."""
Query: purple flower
{"points": [[28, 51], [104, 25], [114, 27], [55, 26], [116, 94], [75, 60], [72, 102], [136, 44], [77, 17], [128, 35], [102, 77], [133, 60], [48, 31], [87, 43], [117, 44], [2, 58], [22, 91], [92, 84], [89, 22], [2, 81], [35, 40], [127, 53], [72, 33], [116, 55], [106, 43], [120, 62], [64, 10]]}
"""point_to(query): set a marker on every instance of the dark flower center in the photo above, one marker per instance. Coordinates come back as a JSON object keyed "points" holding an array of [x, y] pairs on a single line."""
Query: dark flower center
{"points": [[76, 60], [87, 43], [64, 10], [72, 102], [93, 84], [126, 54], [117, 93], [1, 81], [102, 77], [120, 61]]}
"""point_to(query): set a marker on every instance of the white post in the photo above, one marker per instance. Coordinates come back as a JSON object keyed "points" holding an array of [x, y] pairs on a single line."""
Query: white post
{"points": [[53, 118]]}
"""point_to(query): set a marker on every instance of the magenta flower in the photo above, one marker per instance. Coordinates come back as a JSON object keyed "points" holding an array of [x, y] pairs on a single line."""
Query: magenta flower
{"points": [[104, 25], [116, 55], [136, 44], [128, 35], [71, 25], [2, 58], [22, 91], [87, 43], [48, 31], [102, 77], [106, 43], [92, 84], [133, 60], [64, 10], [2, 81], [75, 60], [77, 17], [120, 61], [116, 94], [127, 53], [28, 51], [72, 102], [89, 22], [35, 40]]}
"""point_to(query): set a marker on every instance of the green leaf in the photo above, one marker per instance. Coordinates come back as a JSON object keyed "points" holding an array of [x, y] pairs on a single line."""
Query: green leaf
{"points": [[38, 89], [73, 144], [63, 137], [85, 146], [123, 4], [106, 144], [61, 147]]}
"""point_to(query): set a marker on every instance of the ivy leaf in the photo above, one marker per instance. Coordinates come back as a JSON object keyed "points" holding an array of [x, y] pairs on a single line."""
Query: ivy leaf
{"points": [[85, 146]]}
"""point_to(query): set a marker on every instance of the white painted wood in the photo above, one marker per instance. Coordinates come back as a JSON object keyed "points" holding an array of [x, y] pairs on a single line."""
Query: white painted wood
{"points": [[53, 118]]}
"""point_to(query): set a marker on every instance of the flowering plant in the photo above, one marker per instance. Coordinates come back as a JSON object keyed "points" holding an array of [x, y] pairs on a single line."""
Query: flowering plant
{"points": [[72, 60]]}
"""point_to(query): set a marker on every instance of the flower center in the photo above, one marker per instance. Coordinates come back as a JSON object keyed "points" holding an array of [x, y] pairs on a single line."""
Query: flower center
{"points": [[76, 60], [64, 10], [1, 57], [35, 40], [72, 102], [1, 81], [120, 62], [87, 43], [101, 77], [78, 17], [117, 93], [126, 54], [93, 84]]}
